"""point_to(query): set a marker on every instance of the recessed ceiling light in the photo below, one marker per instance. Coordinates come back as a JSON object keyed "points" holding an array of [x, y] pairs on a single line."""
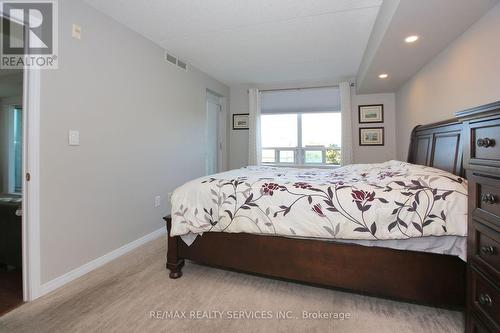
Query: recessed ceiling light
{"points": [[411, 39], [383, 76]]}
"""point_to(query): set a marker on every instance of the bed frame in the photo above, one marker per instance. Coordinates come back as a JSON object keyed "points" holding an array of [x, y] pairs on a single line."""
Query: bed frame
{"points": [[419, 277]]}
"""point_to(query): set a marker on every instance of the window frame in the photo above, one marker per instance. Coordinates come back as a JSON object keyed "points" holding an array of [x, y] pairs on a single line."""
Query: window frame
{"points": [[299, 151]]}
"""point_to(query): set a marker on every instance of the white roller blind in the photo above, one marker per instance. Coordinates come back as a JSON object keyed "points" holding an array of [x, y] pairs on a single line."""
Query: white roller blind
{"points": [[301, 100]]}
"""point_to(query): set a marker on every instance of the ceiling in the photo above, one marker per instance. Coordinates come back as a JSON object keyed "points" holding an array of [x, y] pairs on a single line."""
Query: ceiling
{"points": [[257, 41], [278, 41], [436, 22]]}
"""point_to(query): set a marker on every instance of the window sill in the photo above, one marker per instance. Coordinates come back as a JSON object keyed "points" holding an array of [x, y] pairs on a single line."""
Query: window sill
{"points": [[301, 166]]}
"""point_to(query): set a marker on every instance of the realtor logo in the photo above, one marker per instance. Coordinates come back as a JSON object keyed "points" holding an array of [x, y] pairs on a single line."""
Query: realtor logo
{"points": [[29, 34]]}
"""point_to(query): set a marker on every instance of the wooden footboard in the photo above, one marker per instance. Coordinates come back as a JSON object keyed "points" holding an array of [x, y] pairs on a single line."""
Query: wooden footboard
{"points": [[419, 277]]}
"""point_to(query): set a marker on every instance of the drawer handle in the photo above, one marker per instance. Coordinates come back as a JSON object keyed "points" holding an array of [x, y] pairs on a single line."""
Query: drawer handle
{"points": [[488, 198], [486, 142], [488, 249], [485, 299]]}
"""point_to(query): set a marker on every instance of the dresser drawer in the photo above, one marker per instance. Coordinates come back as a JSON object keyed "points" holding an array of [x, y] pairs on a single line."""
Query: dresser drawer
{"points": [[485, 298], [487, 141], [485, 193], [486, 249], [476, 326], [484, 141]]}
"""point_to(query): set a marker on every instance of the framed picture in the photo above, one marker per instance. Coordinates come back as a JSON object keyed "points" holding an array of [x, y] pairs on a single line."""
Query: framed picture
{"points": [[371, 113], [371, 136], [240, 121]]}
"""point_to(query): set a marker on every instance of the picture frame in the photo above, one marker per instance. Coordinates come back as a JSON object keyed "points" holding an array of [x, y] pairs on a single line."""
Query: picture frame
{"points": [[371, 113], [371, 136], [240, 121]]}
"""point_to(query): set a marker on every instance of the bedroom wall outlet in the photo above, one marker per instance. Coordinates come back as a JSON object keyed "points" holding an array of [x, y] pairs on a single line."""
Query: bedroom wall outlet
{"points": [[157, 201], [169, 195], [74, 138], [76, 32]]}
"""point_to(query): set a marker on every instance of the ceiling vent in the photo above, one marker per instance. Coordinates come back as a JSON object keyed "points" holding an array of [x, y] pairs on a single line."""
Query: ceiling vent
{"points": [[182, 65], [175, 61], [171, 58]]}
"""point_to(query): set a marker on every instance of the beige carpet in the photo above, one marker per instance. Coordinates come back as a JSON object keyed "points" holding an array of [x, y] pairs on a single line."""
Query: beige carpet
{"points": [[120, 296]]}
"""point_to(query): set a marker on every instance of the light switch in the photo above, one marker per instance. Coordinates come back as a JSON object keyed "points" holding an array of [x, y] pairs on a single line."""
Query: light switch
{"points": [[76, 32], [74, 138], [157, 201]]}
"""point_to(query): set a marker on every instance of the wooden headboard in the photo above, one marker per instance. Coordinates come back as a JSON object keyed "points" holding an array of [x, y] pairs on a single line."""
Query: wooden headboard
{"points": [[438, 145]]}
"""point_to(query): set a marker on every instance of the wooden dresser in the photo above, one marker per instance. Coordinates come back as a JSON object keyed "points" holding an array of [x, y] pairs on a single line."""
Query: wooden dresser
{"points": [[481, 134]]}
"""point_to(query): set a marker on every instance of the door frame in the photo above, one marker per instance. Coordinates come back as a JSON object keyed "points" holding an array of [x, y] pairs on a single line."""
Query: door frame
{"points": [[223, 149], [31, 185], [30, 246], [222, 130]]}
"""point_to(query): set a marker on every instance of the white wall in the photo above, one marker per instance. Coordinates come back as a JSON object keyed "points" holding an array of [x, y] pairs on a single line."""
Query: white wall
{"points": [[375, 154], [4, 146], [465, 74], [238, 140], [141, 123]]}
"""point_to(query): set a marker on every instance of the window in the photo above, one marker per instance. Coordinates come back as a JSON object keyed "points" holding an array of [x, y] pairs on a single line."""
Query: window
{"points": [[301, 138], [301, 126], [18, 150]]}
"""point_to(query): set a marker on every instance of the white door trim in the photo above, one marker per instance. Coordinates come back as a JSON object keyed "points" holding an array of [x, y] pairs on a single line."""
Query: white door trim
{"points": [[223, 152], [221, 101], [31, 188]]}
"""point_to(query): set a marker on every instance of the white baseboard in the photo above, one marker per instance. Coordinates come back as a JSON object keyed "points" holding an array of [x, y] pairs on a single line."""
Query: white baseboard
{"points": [[98, 262]]}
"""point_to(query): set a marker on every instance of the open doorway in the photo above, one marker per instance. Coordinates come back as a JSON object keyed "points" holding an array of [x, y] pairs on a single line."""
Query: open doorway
{"points": [[19, 180], [11, 187]]}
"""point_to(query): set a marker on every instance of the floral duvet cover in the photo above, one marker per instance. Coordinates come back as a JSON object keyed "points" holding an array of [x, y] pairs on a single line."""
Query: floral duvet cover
{"points": [[391, 200]]}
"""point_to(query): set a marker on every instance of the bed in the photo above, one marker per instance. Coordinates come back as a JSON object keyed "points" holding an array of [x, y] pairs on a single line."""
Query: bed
{"points": [[394, 229]]}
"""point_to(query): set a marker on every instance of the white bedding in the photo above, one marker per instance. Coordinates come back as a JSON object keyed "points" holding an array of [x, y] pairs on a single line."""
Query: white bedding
{"points": [[392, 204]]}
